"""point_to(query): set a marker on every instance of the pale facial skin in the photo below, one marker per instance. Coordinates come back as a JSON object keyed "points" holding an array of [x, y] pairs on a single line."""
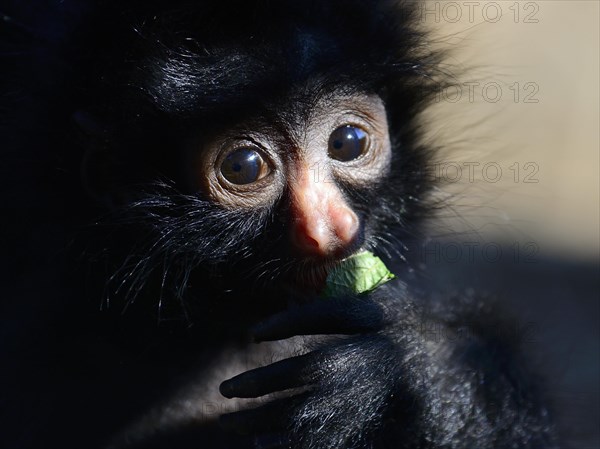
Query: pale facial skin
{"points": [[343, 139]]}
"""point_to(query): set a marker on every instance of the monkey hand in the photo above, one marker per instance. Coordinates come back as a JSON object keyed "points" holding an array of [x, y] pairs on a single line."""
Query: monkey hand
{"points": [[342, 385]]}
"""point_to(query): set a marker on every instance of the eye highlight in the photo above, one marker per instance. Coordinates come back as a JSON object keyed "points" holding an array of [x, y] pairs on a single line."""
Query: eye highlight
{"points": [[244, 166], [347, 143]]}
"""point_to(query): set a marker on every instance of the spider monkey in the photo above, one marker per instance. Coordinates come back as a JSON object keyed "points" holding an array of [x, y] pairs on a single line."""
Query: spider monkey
{"points": [[198, 168]]}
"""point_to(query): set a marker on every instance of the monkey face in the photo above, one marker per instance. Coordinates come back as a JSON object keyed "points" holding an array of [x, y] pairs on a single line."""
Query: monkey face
{"points": [[278, 196], [343, 140], [300, 168]]}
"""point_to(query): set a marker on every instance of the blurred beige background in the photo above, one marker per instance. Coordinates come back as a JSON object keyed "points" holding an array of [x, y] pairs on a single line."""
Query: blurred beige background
{"points": [[527, 112]]}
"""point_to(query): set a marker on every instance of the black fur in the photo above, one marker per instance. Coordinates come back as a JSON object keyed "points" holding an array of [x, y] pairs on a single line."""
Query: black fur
{"points": [[171, 278]]}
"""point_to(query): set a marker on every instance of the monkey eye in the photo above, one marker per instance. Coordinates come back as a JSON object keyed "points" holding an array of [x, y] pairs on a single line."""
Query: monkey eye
{"points": [[347, 142], [244, 166]]}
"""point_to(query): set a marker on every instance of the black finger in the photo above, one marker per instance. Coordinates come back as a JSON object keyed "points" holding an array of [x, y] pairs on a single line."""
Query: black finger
{"points": [[271, 417], [326, 316], [289, 373]]}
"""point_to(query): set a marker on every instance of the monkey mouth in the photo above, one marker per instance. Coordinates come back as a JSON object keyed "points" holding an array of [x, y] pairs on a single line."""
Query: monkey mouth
{"points": [[310, 276]]}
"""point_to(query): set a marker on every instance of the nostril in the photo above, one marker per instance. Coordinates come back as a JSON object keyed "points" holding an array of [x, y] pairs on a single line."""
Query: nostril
{"points": [[306, 240]]}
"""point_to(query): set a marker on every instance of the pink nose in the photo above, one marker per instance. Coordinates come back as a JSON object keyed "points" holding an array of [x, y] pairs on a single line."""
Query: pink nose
{"points": [[326, 234], [323, 222]]}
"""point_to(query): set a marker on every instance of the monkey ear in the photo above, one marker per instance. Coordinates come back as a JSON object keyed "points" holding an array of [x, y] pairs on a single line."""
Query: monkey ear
{"points": [[100, 168]]}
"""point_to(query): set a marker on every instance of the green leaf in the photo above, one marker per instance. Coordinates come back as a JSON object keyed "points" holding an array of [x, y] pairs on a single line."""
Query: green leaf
{"points": [[360, 273]]}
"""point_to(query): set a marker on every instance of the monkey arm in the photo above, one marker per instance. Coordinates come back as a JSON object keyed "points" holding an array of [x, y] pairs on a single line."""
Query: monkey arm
{"points": [[400, 378]]}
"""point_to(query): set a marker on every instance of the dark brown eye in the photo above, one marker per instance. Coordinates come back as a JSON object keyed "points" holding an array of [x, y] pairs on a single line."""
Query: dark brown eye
{"points": [[244, 166], [347, 143]]}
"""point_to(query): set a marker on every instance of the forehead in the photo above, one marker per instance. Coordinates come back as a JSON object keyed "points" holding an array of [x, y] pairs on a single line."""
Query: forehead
{"points": [[309, 106], [293, 116]]}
